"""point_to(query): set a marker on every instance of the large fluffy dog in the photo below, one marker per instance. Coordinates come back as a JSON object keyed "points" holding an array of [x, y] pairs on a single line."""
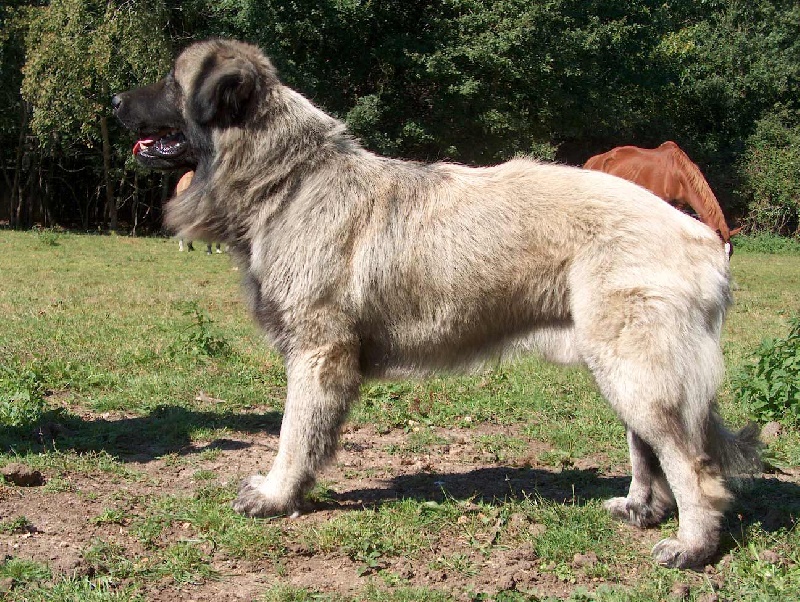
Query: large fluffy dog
{"points": [[360, 266]]}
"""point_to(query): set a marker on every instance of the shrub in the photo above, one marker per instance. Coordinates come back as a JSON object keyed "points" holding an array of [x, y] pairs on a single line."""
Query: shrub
{"points": [[770, 168], [769, 244], [770, 386]]}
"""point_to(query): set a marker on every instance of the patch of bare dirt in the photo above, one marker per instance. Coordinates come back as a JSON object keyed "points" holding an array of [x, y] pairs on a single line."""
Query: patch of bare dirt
{"points": [[370, 469]]}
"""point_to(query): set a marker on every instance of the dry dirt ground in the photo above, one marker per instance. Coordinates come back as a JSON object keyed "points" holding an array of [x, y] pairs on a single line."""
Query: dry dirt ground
{"points": [[365, 474]]}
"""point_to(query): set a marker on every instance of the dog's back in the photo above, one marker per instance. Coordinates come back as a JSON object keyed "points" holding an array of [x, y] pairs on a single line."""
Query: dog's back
{"points": [[449, 265]]}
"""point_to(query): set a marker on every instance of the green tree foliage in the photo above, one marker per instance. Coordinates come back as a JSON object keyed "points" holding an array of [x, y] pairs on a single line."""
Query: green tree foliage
{"points": [[13, 19], [473, 80], [770, 168], [78, 52], [736, 63], [476, 81], [733, 62]]}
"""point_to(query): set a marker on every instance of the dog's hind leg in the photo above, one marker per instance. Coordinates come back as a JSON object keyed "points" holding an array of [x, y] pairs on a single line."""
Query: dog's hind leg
{"points": [[321, 385], [702, 498], [670, 441], [649, 498], [656, 358]]}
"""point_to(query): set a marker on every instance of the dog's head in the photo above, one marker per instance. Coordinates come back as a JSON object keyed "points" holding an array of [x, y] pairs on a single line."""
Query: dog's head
{"points": [[213, 85]]}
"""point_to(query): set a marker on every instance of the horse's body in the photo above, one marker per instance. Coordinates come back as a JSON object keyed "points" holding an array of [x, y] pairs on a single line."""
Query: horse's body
{"points": [[669, 173]]}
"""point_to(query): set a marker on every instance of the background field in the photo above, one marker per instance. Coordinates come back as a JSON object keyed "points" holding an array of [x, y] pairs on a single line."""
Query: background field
{"points": [[133, 380]]}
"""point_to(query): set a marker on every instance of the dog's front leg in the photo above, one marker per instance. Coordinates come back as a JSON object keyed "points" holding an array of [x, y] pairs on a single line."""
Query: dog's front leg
{"points": [[321, 384]]}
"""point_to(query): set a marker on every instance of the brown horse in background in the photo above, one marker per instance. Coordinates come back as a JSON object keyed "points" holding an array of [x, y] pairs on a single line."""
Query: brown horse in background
{"points": [[668, 173]]}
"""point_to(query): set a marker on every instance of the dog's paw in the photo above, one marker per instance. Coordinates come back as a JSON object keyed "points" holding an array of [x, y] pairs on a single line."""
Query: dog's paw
{"points": [[631, 512], [675, 554], [253, 501], [617, 507]]}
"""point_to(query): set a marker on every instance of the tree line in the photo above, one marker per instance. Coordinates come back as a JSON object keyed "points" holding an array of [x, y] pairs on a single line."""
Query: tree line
{"points": [[474, 81]]}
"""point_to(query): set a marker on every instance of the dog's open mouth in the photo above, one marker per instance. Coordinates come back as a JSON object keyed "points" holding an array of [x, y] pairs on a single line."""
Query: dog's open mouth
{"points": [[167, 144]]}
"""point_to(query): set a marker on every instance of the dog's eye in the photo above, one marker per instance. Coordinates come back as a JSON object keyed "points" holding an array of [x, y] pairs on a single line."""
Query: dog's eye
{"points": [[172, 86]]}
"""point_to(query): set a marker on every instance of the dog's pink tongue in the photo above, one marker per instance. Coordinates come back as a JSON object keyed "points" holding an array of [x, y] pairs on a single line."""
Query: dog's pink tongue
{"points": [[140, 144]]}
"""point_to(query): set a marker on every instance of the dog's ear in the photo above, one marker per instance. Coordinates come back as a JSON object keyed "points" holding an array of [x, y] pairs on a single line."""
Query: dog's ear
{"points": [[222, 91]]}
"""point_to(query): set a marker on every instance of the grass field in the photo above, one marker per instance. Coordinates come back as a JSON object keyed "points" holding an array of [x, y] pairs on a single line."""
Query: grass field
{"points": [[132, 379]]}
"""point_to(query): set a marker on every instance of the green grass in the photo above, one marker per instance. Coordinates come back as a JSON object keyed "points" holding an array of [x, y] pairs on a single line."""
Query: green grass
{"points": [[117, 353], [21, 571], [15, 525]]}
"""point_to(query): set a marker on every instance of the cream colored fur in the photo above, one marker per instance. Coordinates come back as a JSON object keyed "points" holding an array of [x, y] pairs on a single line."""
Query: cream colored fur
{"points": [[359, 266]]}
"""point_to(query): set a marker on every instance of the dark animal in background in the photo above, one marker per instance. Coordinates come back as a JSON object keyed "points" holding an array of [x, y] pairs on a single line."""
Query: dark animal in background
{"points": [[670, 174], [189, 246], [359, 266]]}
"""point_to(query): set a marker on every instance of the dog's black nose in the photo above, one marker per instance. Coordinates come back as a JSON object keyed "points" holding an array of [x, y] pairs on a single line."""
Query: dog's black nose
{"points": [[116, 100]]}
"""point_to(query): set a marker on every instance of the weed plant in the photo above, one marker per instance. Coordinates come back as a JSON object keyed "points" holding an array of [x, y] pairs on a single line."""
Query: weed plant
{"points": [[770, 386]]}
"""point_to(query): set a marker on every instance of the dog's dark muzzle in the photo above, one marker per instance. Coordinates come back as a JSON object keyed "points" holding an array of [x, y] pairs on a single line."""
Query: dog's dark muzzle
{"points": [[162, 143]]}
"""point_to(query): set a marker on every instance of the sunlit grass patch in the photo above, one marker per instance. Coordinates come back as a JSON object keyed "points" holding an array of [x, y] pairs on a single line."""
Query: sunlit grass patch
{"points": [[21, 571], [208, 516], [288, 593], [765, 566], [503, 447], [418, 440], [113, 516], [20, 524], [110, 559], [570, 529], [75, 589], [401, 528], [184, 562], [70, 461], [371, 593]]}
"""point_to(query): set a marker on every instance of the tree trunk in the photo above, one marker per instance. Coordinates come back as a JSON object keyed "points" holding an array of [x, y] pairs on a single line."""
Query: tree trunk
{"points": [[111, 202], [24, 211], [43, 192], [16, 202], [48, 194]]}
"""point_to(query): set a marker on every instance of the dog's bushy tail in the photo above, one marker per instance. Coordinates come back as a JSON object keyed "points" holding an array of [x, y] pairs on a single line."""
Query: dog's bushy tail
{"points": [[737, 454]]}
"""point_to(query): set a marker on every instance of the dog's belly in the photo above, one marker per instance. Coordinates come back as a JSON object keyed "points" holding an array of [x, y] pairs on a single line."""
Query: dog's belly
{"points": [[444, 323], [423, 347]]}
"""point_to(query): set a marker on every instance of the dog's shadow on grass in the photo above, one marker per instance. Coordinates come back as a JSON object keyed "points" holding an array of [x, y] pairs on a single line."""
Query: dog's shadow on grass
{"points": [[770, 501], [492, 484], [165, 430], [767, 500]]}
